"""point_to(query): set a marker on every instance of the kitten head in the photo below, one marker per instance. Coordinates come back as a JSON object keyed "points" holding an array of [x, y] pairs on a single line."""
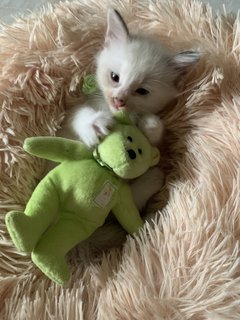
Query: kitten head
{"points": [[135, 72]]}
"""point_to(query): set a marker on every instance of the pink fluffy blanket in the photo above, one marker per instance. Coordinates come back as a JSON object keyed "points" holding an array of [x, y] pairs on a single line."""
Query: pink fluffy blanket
{"points": [[186, 264]]}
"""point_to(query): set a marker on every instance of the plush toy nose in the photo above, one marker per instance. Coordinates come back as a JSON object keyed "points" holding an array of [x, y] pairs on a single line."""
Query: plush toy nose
{"points": [[132, 154]]}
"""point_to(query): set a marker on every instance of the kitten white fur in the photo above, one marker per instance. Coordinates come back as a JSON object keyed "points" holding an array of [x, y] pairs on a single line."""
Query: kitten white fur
{"points": [[136, 73]]}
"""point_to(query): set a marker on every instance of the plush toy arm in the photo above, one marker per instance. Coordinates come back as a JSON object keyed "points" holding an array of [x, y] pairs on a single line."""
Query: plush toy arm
{"points": [[126, 211], [56, 149]]}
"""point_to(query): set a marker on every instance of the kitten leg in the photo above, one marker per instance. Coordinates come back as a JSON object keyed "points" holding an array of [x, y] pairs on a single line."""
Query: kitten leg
{"points": [[144, 187], [91, 125], [152, 127]]}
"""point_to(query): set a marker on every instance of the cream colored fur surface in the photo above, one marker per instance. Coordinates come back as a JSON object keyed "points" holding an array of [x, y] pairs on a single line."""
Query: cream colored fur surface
{"points": [[184, 266]]}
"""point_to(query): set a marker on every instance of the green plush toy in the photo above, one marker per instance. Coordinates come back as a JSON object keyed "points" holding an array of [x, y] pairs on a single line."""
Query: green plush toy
{"points": [[74, 199]]}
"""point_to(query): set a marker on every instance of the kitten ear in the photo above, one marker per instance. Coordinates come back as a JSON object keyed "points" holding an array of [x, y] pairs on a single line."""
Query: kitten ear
{"points": [[116, 28], [183, 60]]}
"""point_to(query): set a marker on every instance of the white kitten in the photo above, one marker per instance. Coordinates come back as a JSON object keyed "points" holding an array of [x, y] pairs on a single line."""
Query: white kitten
{"points": [[138, 74]]}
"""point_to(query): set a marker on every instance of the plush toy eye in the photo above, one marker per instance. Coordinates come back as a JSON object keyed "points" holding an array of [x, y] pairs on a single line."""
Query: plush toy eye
{"points": [[115, 77], [130, 139], [140, 151], [142, 91]]}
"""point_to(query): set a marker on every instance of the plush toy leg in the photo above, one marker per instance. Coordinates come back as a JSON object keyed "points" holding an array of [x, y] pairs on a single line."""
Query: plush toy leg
{"points": [[25, 228], [49, 254]]}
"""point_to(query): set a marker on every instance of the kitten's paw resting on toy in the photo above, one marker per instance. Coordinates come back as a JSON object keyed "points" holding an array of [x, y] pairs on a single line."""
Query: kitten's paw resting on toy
{"points": [[91, 125]]}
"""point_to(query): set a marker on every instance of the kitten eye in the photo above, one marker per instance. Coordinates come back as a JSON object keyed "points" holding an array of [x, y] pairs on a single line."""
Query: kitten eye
{"points": [[142, 91], [114, 77]]}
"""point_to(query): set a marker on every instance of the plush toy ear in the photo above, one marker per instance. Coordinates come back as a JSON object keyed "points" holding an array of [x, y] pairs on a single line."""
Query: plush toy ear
{"points": [[89, 84], [155, 156], [122, 117]]}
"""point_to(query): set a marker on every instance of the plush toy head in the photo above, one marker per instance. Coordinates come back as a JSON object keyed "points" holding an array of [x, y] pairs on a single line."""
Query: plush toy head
{"points": [[126, 151]]}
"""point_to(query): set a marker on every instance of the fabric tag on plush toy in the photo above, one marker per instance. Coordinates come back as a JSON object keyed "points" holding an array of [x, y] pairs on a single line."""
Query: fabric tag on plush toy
{"points": [[89, 84], [105, 195]]}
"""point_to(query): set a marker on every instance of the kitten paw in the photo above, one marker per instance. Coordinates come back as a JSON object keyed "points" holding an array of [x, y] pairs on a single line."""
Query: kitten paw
{"points": [[100, 127], [152, 127], [103, 123], [92, 126]]}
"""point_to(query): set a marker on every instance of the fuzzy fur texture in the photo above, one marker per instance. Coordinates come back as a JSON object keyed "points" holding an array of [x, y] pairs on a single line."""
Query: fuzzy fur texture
{"points": [[185, 265]]}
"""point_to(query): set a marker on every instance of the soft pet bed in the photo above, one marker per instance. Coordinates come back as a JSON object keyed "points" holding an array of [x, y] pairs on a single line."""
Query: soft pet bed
{"points": [[185, 265]]}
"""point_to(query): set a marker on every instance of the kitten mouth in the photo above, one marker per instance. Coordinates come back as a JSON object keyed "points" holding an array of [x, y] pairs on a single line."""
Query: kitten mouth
{"points": [[119, 107], [116, 109]]}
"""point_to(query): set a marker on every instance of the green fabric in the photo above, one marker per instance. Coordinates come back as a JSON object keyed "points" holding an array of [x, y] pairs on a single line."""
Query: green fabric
{"points": [[89, 84], [74, 199]]}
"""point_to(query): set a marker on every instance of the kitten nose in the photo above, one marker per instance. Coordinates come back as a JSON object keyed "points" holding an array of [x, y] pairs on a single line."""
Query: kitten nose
{"points": [[119, 103]]}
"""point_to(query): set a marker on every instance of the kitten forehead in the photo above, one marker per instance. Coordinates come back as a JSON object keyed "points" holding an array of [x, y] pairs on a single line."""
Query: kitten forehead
{"points": [[139, 60]]}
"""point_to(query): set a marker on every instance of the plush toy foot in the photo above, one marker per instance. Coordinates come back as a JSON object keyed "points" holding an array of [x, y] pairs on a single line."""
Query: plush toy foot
{"points": [[53, 267], [20, 230]]}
